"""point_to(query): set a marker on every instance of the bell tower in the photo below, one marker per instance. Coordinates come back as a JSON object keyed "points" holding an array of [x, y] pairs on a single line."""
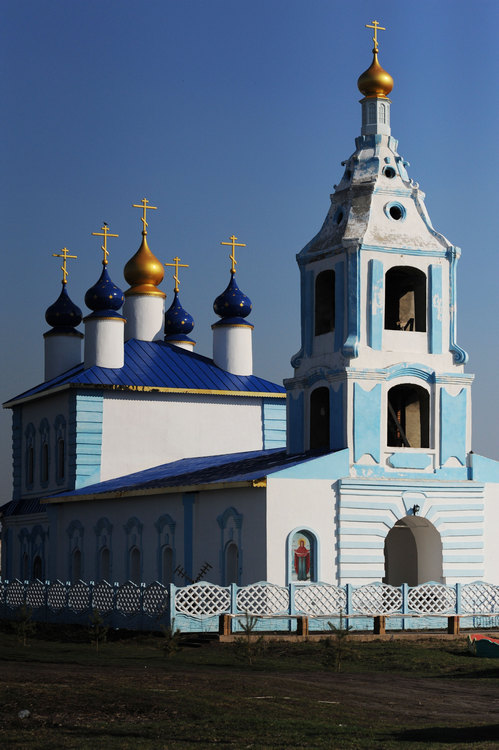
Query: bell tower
{"points": [[379, 370]]}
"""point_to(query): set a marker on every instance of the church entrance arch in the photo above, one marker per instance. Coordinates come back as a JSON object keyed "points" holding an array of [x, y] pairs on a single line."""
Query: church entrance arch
{"points": [[413, 553]]}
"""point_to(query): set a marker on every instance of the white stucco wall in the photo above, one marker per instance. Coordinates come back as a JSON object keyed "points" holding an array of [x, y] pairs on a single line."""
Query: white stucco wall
{"points": [[147, 430], [491, 532]]}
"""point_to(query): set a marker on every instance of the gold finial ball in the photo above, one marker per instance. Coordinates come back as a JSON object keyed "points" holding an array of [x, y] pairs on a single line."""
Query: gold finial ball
{"points": [[144, 272], [375, 81]]}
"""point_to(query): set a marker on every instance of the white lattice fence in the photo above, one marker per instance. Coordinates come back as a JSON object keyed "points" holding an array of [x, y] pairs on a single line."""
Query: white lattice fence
{"points": [[432, 599], [376, 599], [479, 597], [263, 599], [318, 600], [202, 600]]}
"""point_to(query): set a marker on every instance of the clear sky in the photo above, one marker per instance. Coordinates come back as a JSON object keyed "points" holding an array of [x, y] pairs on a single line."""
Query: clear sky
{"points": [[232, 116]]}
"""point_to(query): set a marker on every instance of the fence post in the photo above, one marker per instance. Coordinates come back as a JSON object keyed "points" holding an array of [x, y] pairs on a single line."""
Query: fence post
{"points": [[349, 606], [291, 604], [171, 620], [46, 600], [405, 602], [453, 620]]}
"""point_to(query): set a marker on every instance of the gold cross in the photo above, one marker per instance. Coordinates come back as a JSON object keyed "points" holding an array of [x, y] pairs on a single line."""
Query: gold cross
{"points": [[177, 264], [232, 256], [105, 233], [65, 255], [375, 25], [143, 205]]}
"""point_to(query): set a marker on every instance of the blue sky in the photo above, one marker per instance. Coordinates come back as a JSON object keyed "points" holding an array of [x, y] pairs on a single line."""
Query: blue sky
{"points": [[233, 116]]}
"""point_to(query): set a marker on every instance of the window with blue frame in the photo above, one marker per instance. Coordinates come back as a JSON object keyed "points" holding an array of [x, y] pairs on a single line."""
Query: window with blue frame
{"points": [[302, 557]]}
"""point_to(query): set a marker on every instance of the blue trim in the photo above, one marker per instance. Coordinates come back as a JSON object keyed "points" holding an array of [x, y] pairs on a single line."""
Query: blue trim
{"points": [[296, 421], [463, 559], [360, 545], [436, 308], [453, 426], [88, 439], [337, 435], [350, 348], [410, 369], [484, 469], [468, 573], [410, 460], [274, 425], [367, 421], [339, 304], [360, 559], [17, 450], [188, 500], [461, 532], [375, 304], [459, 356], [420, 252], [331, 466], [462, 545]]}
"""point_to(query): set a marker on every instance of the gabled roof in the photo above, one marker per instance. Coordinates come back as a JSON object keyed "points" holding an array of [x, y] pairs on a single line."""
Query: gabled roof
{"points": [[249, 468], [162, 367]]}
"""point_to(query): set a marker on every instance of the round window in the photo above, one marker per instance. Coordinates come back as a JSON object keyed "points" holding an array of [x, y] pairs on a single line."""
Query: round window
{"points": [[395, 211], [389, 172]]}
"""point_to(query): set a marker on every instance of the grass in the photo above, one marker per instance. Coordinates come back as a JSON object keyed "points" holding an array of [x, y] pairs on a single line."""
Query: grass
{"points": [[389, 694]]}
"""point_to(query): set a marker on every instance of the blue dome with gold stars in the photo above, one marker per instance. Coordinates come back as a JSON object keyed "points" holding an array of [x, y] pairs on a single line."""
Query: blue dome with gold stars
{"points": [[232, 305], [178, 322], [63, 315], [104, 297]]}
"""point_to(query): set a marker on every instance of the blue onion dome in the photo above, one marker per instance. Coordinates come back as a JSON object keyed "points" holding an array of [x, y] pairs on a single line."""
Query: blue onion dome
{"points": [[63, 314], [232, 303], [177, 320], [104, 297]]}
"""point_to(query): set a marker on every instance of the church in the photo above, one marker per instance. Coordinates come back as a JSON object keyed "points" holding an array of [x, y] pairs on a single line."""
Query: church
{"points": [[143, 460]]}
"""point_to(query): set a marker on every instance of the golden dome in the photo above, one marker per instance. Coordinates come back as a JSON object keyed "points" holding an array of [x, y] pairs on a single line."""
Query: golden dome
{"points": [[144, 272], [375, 81]]}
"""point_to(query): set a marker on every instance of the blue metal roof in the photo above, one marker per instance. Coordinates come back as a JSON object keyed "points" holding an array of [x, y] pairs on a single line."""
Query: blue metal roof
{"points": [[27, 506], [157, 364], [235, 467]]}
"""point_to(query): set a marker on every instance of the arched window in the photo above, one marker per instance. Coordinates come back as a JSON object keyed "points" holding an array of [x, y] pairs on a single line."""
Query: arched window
{"points": [[30, 455], [371, 117], [408, 417], [45, 463], [302, 550], [25, 566], [31, 465], [167, 565], [413, 553], [60, 449], [105, 564], [319, 419], [405, 299], [382, 113], [231, 563], [324, 302], [37, 567], [135, 565], [44, 452], [60, 458]]}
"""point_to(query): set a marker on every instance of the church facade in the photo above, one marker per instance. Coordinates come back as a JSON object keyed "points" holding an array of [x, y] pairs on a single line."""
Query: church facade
{"points": [[149, 462]]}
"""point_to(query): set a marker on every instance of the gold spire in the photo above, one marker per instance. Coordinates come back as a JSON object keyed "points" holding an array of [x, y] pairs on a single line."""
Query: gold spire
{"points": [[375, 81], [232, 256], [177, 264], [64, 254], [144, 272], [105, 233]]}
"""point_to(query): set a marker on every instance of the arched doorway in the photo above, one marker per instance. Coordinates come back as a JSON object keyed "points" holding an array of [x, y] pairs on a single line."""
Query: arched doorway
{"points": [[413, 553]]}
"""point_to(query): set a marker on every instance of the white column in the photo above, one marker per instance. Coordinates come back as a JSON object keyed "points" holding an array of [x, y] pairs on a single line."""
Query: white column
{"points": [[104, 342], [62, 352], [144, 317], [233, 348]]}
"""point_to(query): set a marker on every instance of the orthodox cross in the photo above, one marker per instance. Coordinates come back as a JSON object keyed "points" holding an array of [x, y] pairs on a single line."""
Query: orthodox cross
{"points": [[105, 233], [143, 205], [64, 254], [177, 264], [375, 25], [232, 256]]}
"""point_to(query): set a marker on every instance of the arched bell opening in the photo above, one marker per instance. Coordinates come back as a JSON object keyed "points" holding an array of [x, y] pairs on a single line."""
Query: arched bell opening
{"points": [[324, 303], [408, 417], [319, 419], [405, 299], [413, 553]]}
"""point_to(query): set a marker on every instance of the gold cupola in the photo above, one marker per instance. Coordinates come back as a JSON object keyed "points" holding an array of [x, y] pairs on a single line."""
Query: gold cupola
{"points": [[144, 272], [375, 81]]}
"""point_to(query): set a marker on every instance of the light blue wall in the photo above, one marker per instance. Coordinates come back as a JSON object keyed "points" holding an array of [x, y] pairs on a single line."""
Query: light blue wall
{"points": [[85, 439], [453, 426], [351, 345], [367, 421], [339, 304], [375, 305], [295, 415], [337, 413], [331, 466], [274, 424], [436, 309]]}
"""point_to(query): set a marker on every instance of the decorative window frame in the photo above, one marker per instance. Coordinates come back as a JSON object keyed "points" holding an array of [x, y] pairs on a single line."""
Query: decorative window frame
{"points": [[133, 530], [24, 551], [60, 434], [313, 539], [38, 536], [30, 455], [165, 526], [230, 523], [76, 534], [44, 431], [103, 539]]}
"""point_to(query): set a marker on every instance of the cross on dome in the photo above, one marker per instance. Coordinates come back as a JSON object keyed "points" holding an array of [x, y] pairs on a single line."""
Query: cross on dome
{"points": [[64, 254], [105, 233], [177, 264], [375, 25], [232, 256], [143, 205]]}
